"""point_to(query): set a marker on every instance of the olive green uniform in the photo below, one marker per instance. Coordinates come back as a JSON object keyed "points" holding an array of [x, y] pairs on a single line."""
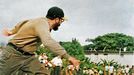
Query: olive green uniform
{"points": [[28, 36]]}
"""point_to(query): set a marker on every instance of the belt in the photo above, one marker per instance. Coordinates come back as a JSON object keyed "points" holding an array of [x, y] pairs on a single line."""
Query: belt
{"points": [[18, 49]]}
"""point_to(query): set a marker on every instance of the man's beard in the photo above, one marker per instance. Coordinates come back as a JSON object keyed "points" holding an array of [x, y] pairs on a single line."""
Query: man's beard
{"points": [[56, 27]]}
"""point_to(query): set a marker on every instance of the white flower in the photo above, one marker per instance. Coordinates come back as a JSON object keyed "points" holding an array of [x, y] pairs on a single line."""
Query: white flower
{"points": [[57, 61]]}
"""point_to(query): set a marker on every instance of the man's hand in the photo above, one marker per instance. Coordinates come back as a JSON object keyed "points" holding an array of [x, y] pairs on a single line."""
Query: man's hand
{"points": [[74, 62], [6, 32]]}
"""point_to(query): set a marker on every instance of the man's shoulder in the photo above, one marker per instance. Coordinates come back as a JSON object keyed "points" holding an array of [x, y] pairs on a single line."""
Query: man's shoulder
{"points": [[39, 23], [39, 19]]}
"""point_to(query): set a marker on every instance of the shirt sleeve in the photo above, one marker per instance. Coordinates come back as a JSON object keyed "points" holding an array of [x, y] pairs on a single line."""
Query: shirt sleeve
{"points": [[43, 32], [17, 27]]}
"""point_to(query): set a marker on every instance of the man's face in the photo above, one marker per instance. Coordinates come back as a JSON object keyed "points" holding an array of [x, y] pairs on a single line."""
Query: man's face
{"points": [[58, 21]]}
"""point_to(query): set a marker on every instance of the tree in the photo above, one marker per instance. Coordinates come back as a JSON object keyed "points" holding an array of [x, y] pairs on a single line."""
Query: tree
{"points": [[112, 41], [74, 48]]}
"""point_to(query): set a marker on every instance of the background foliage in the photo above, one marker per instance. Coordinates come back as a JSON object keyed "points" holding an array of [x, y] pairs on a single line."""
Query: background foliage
{"points": [[112, 42]]}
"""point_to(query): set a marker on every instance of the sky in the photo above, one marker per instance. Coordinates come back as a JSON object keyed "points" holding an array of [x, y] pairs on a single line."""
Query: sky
{"points": [[86, 18]]}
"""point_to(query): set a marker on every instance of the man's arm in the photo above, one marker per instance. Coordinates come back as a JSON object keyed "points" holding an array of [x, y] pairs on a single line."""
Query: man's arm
{"points": [[7, 32], [44, 34], [18, 26]]}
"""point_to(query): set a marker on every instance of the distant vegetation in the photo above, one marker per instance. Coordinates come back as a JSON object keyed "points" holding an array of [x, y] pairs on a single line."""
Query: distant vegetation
{"points": [[111, 42]]}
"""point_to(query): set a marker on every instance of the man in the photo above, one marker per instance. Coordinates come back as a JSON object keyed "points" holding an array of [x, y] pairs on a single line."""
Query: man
{"points": [[18, 57]]}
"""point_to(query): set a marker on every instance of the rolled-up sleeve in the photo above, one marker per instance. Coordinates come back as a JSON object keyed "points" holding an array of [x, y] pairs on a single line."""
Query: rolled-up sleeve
{"points": [[43, 33]]}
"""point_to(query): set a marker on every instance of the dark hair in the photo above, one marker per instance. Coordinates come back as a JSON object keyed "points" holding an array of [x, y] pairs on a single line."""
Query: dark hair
{"points": [[55, 12]]}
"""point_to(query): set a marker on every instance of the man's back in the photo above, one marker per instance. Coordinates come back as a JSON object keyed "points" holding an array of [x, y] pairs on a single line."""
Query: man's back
{"points": [[26, 35]]}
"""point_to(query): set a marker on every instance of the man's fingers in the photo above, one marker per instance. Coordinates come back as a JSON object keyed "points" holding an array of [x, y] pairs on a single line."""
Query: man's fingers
{"points": [[75, 62], [77, 67]]}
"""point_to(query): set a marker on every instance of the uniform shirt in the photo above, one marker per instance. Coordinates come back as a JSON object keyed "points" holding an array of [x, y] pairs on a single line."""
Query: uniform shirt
{"points": [[29, 34]]}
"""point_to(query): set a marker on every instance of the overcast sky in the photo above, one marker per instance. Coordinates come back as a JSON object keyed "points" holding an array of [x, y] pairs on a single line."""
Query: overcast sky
{"points": [[86, 18]]}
